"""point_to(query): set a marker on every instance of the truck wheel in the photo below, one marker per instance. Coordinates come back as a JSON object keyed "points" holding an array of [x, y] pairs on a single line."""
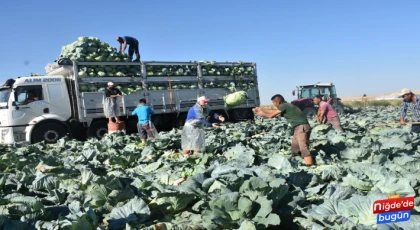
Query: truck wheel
{"points": [[98, 129], [310, 112], [50, 133]]}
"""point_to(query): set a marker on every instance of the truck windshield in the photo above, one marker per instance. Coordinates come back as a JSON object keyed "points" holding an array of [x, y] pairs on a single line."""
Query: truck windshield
{"points": [[4, 97]]}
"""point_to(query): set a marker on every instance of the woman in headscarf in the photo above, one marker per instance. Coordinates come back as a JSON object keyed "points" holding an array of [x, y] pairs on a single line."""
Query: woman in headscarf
{"points": [[192, 137]]}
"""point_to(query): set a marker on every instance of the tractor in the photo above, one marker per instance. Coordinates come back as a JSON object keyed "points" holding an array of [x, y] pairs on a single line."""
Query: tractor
{"points": [[306, 93]]}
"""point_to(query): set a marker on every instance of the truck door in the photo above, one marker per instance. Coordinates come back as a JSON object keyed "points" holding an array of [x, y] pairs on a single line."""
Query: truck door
{"points": [[30, 103], [59, 102]]}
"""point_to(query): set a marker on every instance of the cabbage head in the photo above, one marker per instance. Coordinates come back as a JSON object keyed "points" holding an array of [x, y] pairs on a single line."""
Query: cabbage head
{"points": [[82, 74], [83, 39], [84, 88], [236, 98]]}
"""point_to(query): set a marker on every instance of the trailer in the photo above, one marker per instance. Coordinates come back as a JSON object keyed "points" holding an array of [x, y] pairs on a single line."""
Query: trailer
{"points": [[71, 105]]}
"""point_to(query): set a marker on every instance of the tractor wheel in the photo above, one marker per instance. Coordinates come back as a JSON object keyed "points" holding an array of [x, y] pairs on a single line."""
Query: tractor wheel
{"points": [[339, 109], [310, 112]]}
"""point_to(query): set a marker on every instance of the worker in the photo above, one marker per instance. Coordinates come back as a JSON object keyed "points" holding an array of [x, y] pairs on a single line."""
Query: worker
{"points": [[133, 46], [297, 119], [364, 99], [412, 101], [326, 114], [111, 108], [30, 98], [192, 136], [143, 113]]}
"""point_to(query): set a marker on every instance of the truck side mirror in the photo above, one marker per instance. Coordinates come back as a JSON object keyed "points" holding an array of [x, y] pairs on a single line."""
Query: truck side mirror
{"points": [[293, 93], [14, 104]]}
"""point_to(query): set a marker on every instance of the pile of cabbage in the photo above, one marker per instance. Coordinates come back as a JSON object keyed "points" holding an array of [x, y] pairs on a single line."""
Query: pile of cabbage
{"points": [[240, 69], [124, 88], [91, 49], [109, 71], [244, 85], [171, 70], [207, 69], [165, 86]]}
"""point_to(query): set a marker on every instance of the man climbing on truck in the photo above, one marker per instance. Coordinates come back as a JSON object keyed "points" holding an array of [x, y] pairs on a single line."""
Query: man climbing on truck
{"points": [[143, 113], [299, 122], [133, 46], [326, 114], [111, 109]]}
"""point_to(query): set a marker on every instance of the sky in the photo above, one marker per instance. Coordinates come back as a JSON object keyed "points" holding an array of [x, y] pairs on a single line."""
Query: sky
{"points": [[363, 47]]}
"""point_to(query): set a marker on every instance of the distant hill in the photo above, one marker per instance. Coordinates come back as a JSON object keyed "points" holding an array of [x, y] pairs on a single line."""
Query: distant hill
{"points": [[386, 96]]}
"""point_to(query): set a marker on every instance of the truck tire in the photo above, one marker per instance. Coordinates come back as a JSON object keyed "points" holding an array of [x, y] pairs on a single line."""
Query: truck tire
{"points": [[310, 112], [98, 129], [48, 132]]}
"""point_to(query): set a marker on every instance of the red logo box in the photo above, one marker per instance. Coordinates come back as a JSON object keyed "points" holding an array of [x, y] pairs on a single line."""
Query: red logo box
{"points": [[393, 205]]}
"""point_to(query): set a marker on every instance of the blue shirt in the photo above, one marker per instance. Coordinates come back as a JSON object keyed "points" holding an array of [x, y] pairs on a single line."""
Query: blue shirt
{"points": [[143, 113], [196, 112], [414, 107]]}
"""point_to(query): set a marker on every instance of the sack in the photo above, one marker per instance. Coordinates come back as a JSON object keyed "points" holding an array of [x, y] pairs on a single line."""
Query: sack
{"points": [[112, 106], [153, 129], [194, 123]]}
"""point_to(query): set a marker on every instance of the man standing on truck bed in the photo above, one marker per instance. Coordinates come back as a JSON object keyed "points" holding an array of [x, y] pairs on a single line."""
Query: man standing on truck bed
{"points": [[300, 125], [411, 101], [326, 112], [143, 113], [111, 109], [133, 46]]}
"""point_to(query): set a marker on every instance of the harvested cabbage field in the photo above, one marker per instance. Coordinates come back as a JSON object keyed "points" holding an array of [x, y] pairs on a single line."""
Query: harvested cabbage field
{"points": [[246, 179]]}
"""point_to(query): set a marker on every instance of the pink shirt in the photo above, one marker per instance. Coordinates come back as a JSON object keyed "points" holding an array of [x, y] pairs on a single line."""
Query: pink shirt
{"points": [[329, 110]]}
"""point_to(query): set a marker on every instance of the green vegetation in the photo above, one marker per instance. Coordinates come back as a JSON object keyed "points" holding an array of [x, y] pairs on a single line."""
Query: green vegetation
{"points": [[372, 103], [246, 179]]}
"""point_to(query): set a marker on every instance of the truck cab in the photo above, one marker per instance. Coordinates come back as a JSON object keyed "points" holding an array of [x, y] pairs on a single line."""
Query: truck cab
{"points": [[31, 104]]}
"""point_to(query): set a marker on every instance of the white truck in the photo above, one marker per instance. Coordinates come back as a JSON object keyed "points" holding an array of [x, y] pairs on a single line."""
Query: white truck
{"points": [[47, 108]]}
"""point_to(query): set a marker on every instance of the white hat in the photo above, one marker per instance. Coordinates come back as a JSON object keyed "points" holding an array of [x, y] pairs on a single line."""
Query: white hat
{"points": [[405, 91], [203, 98], [110, 83]]}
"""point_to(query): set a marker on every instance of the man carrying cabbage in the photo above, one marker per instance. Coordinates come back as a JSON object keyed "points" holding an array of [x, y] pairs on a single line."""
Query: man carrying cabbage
{"points": [[298, 121], [133, 46], [192, 136], [326, 114]]}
